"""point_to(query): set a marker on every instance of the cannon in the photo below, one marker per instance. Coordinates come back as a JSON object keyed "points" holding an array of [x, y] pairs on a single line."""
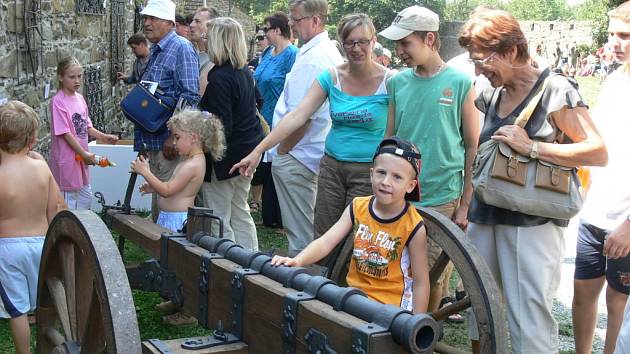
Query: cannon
{"points": [[85, 303]]}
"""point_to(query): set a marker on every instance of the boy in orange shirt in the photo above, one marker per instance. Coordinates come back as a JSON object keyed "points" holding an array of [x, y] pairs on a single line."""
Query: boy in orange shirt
{"points": [[389, 259]]}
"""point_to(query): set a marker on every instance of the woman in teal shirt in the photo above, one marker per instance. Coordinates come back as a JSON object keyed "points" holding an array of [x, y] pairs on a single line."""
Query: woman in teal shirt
{"points": [[358, 100]]}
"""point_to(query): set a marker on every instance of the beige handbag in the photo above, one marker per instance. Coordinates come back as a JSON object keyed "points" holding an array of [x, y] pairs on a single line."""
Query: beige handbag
{"points": [[505, 179]]}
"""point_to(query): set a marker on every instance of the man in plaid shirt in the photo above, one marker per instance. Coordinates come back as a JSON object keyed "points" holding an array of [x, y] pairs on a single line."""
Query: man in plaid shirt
{"points": [[174, 65]]}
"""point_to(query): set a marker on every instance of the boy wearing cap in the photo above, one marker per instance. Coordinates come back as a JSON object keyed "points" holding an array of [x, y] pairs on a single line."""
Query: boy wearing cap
{"points": [[389, 259], [432, 105]]}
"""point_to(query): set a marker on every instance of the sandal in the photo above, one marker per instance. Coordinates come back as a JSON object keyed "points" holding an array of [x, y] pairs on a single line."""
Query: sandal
{"points": [[254, 207], [456, 317]]}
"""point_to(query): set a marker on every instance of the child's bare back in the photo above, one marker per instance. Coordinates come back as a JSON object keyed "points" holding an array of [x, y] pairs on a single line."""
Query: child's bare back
{"points": [[28, 195]]}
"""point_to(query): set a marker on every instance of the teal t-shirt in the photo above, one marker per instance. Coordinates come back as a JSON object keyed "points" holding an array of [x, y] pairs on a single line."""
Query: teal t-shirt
{"points": [[429, 114], [358, 122]]}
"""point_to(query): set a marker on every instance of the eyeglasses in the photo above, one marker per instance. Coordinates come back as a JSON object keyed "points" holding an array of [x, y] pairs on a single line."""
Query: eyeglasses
{"points": [[260, 38], [297, 20], [480, 62], [361, 42]]}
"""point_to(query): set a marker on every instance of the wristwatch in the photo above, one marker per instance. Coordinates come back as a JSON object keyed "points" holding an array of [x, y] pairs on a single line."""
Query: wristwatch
{"points": [[533, 153]]}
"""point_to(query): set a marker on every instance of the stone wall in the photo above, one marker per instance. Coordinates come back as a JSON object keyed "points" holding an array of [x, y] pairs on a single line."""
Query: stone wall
{"points": [[547, 33], [36, 34]]}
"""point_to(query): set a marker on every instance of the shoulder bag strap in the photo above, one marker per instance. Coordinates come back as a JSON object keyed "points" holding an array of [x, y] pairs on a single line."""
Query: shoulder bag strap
{"points": [[526, 113]]}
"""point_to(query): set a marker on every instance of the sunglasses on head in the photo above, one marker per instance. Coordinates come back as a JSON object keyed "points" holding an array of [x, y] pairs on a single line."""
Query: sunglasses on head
{"points": [[260, 38]]}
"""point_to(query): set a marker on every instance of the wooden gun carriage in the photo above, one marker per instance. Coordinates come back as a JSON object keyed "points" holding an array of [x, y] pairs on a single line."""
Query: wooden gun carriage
{"points": [[85, 303]]}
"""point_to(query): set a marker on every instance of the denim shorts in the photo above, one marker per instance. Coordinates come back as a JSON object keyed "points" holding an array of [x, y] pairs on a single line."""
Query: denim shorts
{"points": [[590, 262]]}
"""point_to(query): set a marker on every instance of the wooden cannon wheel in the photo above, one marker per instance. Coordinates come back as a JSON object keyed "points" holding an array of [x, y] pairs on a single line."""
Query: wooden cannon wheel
{"points": [[482, 292], [84, 301]]}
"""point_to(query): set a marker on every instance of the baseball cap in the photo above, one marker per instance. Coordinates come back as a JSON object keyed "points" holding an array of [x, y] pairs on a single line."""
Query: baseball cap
{"points": [[407, 150], [162, 9], [409, 20]]}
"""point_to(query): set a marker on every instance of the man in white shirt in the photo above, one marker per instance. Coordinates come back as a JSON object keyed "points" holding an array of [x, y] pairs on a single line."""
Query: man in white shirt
{"points": [[296, 160]]}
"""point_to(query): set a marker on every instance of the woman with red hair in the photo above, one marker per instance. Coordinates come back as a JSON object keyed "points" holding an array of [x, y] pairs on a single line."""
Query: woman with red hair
{"points": [[523, 251]]}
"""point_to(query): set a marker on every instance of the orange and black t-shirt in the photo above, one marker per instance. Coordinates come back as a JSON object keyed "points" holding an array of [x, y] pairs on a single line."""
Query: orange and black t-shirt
{"points": [[380, 263]]}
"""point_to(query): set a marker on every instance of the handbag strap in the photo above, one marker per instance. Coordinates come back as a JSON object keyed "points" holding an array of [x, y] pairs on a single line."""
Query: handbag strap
{"points": [[526, 113]]}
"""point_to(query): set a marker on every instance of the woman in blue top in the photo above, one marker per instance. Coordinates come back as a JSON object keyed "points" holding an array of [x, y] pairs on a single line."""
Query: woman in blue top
{"points": [[275, 63], [358, 100]]}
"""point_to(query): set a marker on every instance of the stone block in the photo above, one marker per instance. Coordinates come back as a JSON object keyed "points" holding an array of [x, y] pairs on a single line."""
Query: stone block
{"points": [[47, 31], [60, 6], [15, 18], [50, 59], [32, 97], [8, 65]]}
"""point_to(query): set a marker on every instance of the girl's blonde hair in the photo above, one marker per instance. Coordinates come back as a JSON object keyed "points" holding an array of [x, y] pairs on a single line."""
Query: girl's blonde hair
{"points": [[65, 64], [207, 126], [226, 42]]}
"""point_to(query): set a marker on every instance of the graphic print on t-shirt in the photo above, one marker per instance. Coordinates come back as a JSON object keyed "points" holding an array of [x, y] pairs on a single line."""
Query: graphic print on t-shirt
{"points": [[80, 125], [373, 252]]}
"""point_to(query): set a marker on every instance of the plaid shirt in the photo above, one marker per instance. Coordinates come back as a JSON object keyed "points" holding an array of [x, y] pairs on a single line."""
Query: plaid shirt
{"points": [[174, 65]]}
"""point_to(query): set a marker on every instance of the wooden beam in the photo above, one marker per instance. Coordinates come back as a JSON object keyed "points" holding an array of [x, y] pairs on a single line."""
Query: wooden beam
{"points": [[144, 233]]}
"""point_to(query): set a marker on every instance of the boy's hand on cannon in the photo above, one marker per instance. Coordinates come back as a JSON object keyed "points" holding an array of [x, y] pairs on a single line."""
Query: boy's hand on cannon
{"points": [[121, 76], [247, 166], [146, 188], [287, 261], [140, 165]]}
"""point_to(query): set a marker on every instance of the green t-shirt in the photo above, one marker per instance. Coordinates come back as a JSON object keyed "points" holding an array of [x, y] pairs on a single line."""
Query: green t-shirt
{"points": [[429, 114]]}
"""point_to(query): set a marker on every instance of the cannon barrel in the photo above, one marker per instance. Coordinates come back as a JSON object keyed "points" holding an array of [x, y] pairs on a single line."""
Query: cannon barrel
{"points": [[417, 333]]}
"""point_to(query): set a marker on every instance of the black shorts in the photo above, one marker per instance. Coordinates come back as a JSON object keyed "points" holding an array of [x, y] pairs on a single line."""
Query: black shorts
{"points": [[590, 262]]}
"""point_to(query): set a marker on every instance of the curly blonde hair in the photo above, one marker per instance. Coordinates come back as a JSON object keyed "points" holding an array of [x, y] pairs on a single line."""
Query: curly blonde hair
{"points": [[209, 128]]}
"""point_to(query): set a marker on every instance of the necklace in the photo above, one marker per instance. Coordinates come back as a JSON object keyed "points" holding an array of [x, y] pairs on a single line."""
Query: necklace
{"points": [[195, 154], [439, 70]]}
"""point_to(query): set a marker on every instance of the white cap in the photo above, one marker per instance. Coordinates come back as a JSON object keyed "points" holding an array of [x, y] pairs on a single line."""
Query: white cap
{"points": [[387, 53], [162, 9], [409, 20]]}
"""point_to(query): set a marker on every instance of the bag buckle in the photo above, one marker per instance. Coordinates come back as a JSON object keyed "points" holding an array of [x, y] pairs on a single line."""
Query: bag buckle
{"points": [[555, 176], [512, 166]]}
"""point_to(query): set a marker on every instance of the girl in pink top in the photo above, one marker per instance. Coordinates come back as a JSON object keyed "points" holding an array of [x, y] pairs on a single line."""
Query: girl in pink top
{"points": [[70, 127]]}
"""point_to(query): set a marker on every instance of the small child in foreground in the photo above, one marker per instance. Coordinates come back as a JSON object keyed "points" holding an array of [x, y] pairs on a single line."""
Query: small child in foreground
{"points": [[193, 133], [389, 260], [29, 199]]}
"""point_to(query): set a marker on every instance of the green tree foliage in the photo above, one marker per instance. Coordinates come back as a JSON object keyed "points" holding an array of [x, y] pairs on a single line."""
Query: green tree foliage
{"points": [[596, 11], [459, 10], [381, 11], [539, 10]]}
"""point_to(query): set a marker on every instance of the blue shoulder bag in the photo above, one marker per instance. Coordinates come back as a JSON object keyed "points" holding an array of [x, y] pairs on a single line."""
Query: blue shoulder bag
{"points": [[149, 111]]}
